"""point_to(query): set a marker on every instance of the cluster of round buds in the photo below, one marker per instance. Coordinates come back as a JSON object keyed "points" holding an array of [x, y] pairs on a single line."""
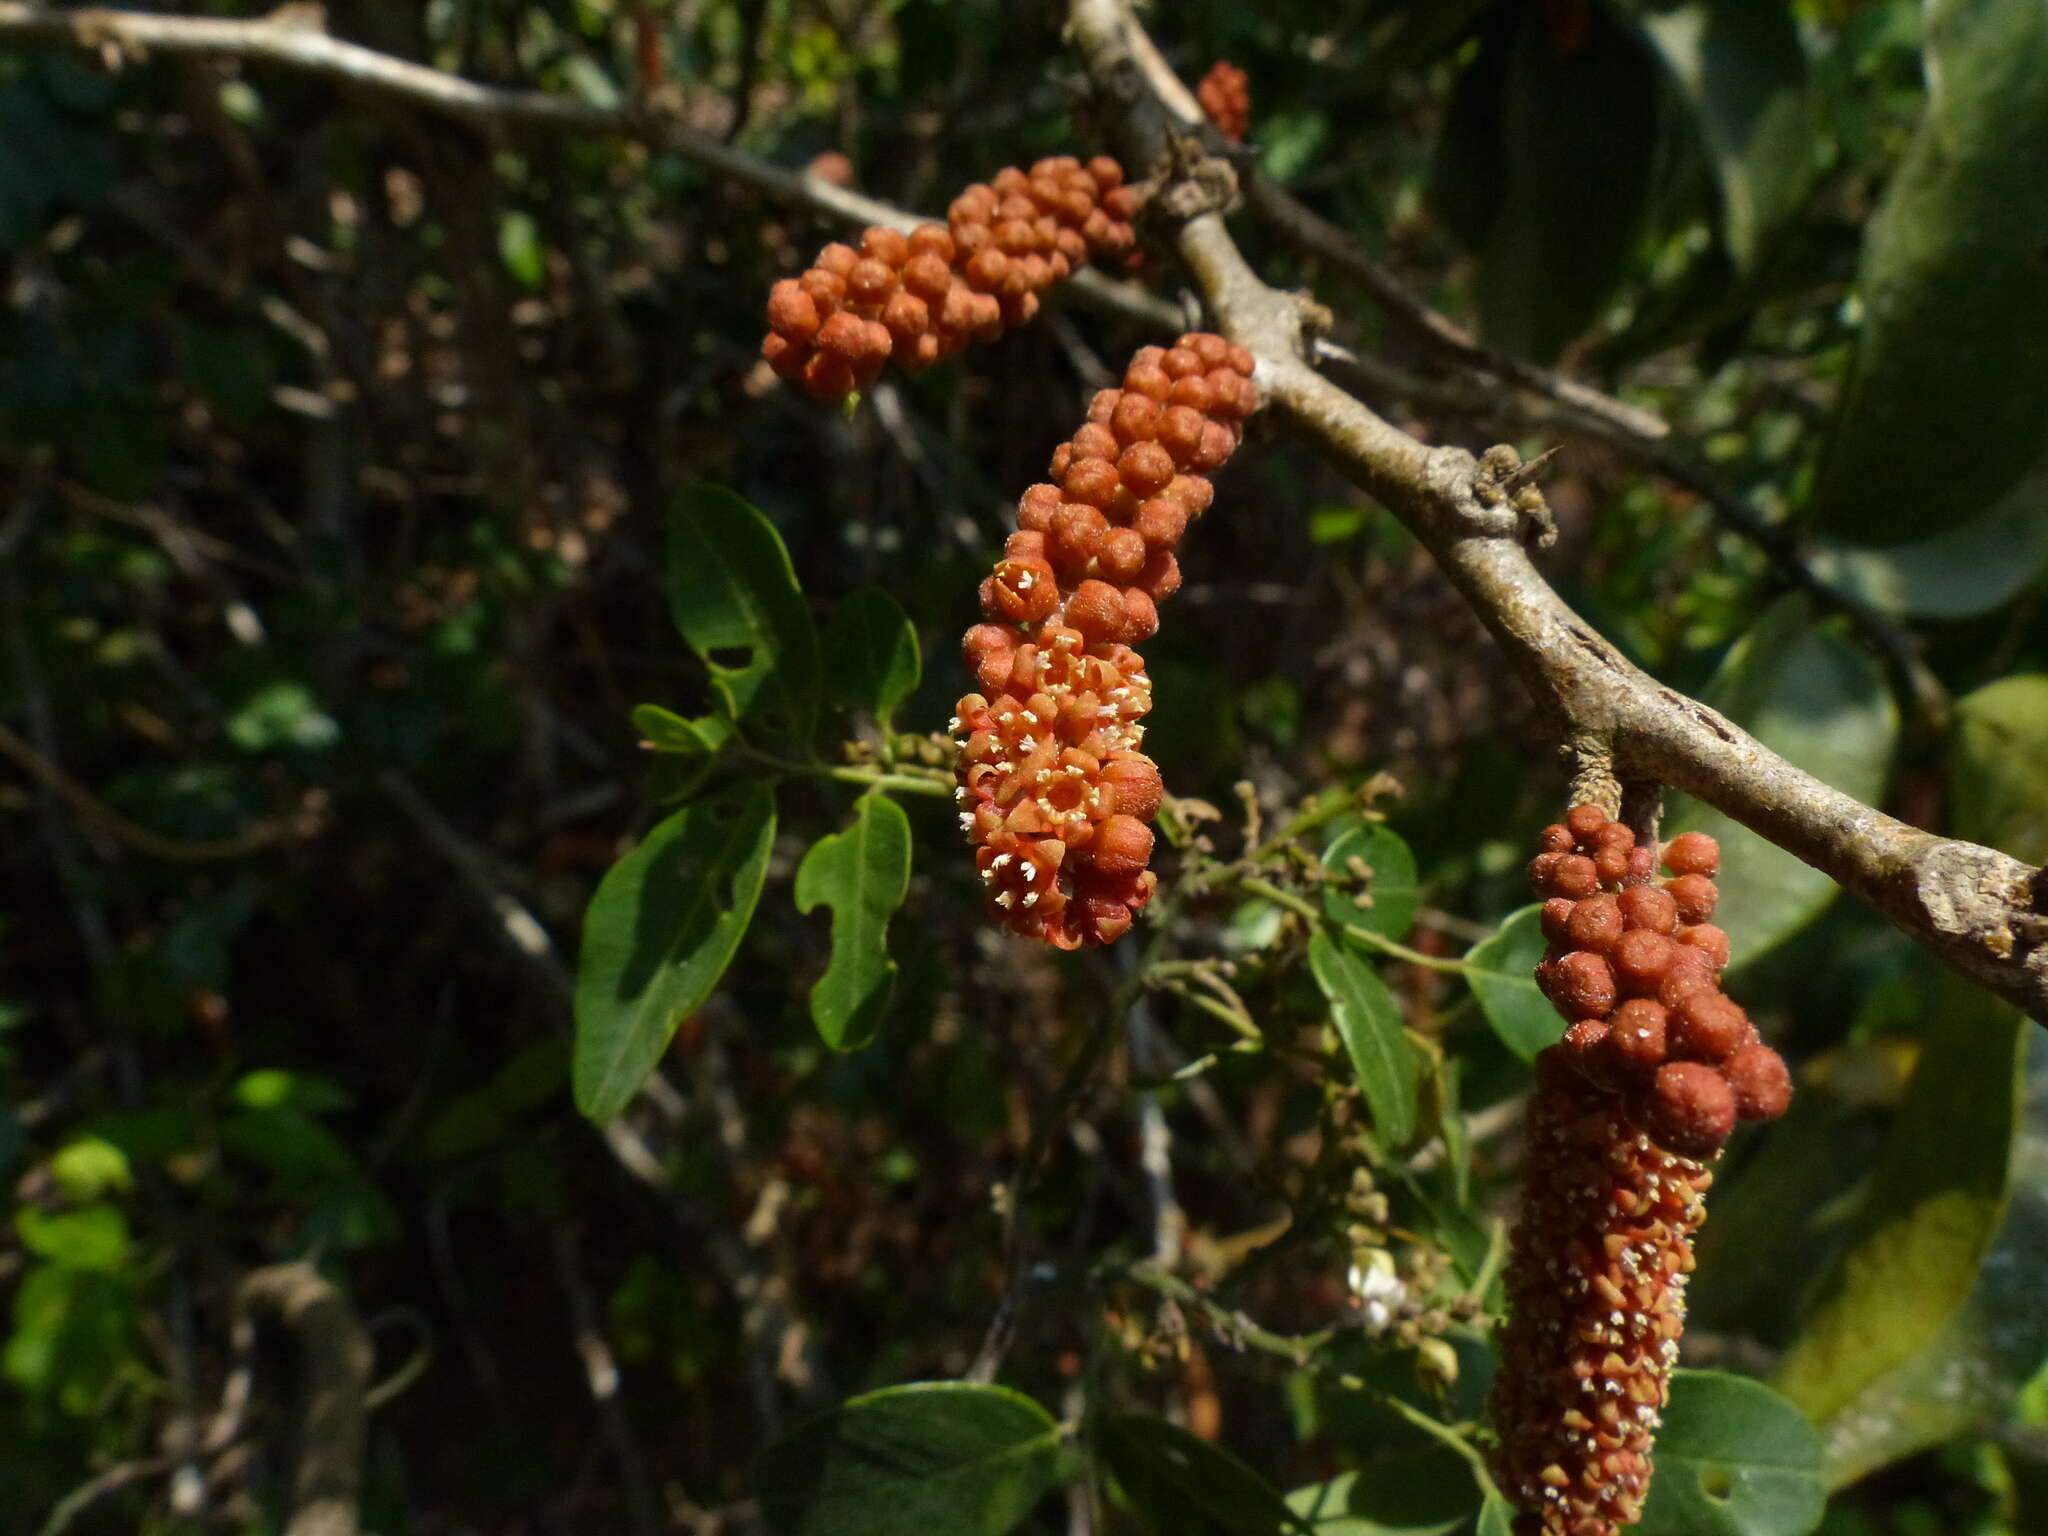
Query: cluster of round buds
{"points": [[1634, 966], [921, 297], [1226, 98], [1054, 791], [1595, 1286]]}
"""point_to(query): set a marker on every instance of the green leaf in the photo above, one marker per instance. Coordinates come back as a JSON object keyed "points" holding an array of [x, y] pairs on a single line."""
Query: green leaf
{"points": [[1733, 1459], [1391, 893], [1937, 1201], [1998, 791], [90, 1167], [1820, 702], [1954, 1365], [1946, 399], [1738, 66], [659, 933], [1503, 978], [1968, 569], [666, 731], [1180, 1483], [520, 249], [1369, 1020], [933, 1457], [1579, 135], [1423, 1492], [862, 874], [873, 646], [95, 1238], [734, 597]]}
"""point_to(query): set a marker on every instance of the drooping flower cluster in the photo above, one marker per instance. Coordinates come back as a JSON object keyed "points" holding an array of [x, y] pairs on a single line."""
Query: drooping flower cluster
{"points": [[1596, 1303], [1655, 1068], [1226, 98], [1054, 791], [921, 297], [1634, 967]]}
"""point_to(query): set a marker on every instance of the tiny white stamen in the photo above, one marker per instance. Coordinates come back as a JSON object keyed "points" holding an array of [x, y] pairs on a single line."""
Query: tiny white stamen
{"points": [[1000, 860], [1030, 897]]}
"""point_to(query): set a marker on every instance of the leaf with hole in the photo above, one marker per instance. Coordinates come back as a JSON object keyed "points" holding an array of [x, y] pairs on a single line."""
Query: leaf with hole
{"points": [[871, 647], [1501, 971], [1820, 702], [1180, 1483], [734, 597], [862, 874], [659, 933], [939, 1456], [1369, 1022], [1383, 901], [1944, 407], [1733, 1459]]}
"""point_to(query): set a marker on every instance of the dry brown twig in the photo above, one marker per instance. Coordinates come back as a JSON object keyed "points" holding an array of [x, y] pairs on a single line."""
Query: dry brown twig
{"points": [[1982, 911]]}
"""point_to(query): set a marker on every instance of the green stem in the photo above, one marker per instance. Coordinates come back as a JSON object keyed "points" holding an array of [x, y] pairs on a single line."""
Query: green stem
{"points": [[1387, 946], [1280, 898], [874, 778]]}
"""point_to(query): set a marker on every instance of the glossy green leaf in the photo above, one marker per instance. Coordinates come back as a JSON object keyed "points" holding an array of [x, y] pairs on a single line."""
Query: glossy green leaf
{"points": [[1178, 1482], [1820, 702], [659, 933], [1503, 978], [1733, 1459], [1937, 1200], [1369, 1022], [1496, 1517], [1384, 901], [734, 597], [1739, 68], [930, 1457], [1998, 788], [872, 647], [1946, 402], [862, 874]]}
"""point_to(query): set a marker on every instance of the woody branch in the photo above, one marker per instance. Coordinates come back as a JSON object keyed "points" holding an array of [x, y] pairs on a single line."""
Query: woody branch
{"points": [[1981, 911]]}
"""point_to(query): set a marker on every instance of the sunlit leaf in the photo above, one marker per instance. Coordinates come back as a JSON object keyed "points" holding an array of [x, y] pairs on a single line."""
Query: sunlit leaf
{"points": [[862, 874], [930, 1457], [1385, 902], [1937, 1200], [734, 597], [1369, 1022], [659, 933], [1740, 70], [1820, 702], [1733, 1459], [1945, 406], [1502, 976], [1998, 788]]}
